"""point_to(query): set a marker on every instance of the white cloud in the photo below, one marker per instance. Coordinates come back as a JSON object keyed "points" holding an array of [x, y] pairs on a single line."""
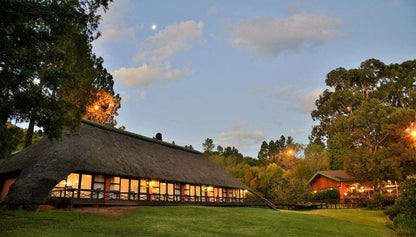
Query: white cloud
{"points": [[240, 137], [110, 33], [156, 53], [271, 36], [303, 100], [169, 41], [307, 101], [113, 27], [145, 74]]}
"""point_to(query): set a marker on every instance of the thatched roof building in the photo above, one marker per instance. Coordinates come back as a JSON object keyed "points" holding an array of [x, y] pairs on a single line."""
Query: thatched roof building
{"points": [[98, 149]]}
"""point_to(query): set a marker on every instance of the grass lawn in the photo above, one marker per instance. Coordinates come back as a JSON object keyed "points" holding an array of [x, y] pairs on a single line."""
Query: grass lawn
{"points": [[196, 221]]}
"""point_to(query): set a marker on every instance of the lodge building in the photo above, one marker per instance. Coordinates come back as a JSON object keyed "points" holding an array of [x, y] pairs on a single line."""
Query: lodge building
{"points": [[98, 164]]}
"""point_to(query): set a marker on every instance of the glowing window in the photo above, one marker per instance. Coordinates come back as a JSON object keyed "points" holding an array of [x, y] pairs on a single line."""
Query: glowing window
{"points": [[134, 185], [72, 181]]}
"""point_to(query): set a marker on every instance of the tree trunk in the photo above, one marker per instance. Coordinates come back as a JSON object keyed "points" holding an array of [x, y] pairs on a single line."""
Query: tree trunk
{"points": [[29, 133]]}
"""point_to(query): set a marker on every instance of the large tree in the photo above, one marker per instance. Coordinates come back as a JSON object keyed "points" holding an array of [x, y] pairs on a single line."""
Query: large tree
{"points": [[47, 68], [363, 117]]}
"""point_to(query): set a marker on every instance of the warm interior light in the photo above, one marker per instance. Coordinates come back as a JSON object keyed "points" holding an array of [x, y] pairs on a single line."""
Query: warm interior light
{"points": [[96, 107]]}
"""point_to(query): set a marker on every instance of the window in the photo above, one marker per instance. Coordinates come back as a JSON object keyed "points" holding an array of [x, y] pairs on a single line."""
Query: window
{"points": [[198, 193], [216, 194], [170, 192], [59, 189], [124, 188], [162, 189], [177, 192], [143, 189], [98, 186], [154, 189], [204, 193], [186, 192], [210, 193], [86, 185], [72, 185], [115, 187], [192, 193], [134, 189]]}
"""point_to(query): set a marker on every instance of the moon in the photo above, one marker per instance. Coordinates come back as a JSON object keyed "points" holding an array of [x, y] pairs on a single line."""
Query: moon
{"points": [[154, 27]]}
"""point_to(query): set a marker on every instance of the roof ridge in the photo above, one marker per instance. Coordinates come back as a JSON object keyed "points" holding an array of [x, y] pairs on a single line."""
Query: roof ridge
{"points": [[137, 136]]}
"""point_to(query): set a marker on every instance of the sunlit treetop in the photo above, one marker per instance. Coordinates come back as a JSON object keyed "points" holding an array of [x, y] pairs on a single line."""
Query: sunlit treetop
{"points": [[103, 107]]}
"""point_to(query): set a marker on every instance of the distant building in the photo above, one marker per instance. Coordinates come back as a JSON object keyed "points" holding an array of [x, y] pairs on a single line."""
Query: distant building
{"points": [[103, 165], [347, 186]]}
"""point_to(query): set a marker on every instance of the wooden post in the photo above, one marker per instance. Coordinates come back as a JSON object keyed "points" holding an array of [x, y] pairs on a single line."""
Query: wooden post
{"points": [[182, 192], [107, 188]]}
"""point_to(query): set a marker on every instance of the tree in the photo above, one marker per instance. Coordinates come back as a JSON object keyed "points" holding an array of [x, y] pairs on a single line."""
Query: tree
{"points": [[47, 67], [190, 147], [274, 150], [220, 149], [159, 136], [103, 107], [208, 145], [363, 116]]}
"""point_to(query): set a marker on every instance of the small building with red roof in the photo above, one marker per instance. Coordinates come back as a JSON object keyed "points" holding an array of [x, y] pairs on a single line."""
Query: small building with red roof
{"points": [[347, 185]]}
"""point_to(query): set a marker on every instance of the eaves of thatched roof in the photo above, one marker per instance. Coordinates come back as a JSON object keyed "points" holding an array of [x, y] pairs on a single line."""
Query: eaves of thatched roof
{"points": [[98, 149]]}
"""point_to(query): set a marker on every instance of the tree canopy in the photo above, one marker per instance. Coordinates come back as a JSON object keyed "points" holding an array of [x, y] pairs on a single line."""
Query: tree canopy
{"points": [[103, 107], [363, 117], [47, 67]]}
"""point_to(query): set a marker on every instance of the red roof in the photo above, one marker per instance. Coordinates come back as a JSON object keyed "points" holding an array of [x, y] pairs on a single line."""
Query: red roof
{"points": [[337, 175]]}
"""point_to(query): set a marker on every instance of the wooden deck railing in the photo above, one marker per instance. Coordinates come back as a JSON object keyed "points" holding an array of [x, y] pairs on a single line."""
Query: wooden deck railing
{"points": [[132, 196]]}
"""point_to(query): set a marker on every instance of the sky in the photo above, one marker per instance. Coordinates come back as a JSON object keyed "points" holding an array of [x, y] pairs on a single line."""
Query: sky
{"points": [[240, 72]]}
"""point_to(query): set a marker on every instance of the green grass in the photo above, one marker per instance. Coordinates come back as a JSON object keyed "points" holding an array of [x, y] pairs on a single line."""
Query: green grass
{"points": [[196, 221]]}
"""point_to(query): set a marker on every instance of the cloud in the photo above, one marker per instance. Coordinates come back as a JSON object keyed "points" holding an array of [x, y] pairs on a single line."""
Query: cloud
{"points": [[145, 74], [307, 101], [113, 27], [111, 33], [241, 137], [302, 100], [171, 40], [154, 57], [266, 36]]}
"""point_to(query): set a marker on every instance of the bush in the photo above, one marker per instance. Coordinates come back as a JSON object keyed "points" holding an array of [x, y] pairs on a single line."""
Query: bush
{"points": [[403, 212], [376, 202], [329, 194]]}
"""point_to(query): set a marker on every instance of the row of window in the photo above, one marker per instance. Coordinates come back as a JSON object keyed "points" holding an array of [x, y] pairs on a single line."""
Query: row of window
{"points": [[111, 187]]}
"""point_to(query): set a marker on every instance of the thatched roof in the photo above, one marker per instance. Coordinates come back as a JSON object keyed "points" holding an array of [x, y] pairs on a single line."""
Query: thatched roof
{"points": [[98, 149]]}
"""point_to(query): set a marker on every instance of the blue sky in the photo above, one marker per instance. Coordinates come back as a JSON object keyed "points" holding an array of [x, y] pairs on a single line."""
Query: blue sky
{"points": [[241, 72]]}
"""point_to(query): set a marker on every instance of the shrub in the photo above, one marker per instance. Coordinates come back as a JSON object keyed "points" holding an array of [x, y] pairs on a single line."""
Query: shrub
{"points": [[329, 194], [403, 212], [376, 202]]}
